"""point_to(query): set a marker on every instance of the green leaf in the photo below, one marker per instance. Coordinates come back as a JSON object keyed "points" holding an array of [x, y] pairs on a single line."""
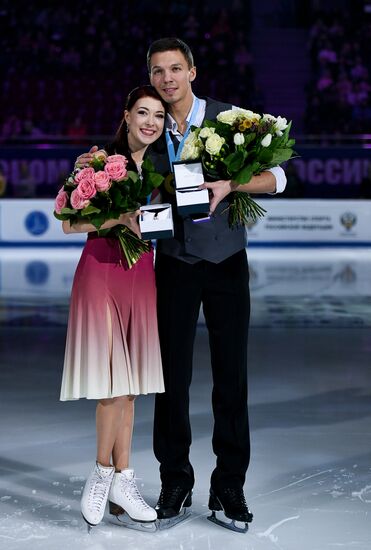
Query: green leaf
{"points": [[249, 138], [90, 210], [244, 175], [132, 175], [281, 155], [69, 211], [98, 220], [265, 156], [97, 164], [234, 161], [61, 217], [209, 124]]}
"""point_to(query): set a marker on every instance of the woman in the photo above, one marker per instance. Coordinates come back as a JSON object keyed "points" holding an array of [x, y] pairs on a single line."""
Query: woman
{"points": [[112, 349]]}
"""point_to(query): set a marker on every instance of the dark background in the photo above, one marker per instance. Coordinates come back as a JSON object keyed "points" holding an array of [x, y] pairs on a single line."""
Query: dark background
{"points": [[67, 68]]}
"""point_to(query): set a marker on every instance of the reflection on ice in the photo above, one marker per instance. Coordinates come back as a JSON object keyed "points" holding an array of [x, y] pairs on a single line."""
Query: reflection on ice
{"points": [[289, 287]]}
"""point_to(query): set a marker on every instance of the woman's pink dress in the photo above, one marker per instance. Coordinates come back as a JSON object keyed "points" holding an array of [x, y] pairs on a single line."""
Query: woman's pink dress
{"points": [[112, 346]]}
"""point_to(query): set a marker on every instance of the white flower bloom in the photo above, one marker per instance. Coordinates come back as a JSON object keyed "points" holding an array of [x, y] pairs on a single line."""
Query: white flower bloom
{"points": [[238, 139], [280, 125], [266, 141], [190, 152], [229, 117], [213, 144], [206, 132], [269, 118], [192, 147]]}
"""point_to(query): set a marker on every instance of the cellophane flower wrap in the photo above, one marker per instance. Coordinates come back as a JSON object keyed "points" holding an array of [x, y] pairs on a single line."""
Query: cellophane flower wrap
{"points": [[238, 145], [104, 190]]}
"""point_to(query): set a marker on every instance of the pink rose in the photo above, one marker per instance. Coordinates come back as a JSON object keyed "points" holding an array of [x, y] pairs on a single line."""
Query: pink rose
{"points": [[77, 201], [87, 188], [102, 181], [117, 158], [61, 201], [116, 170], [84, 173]]}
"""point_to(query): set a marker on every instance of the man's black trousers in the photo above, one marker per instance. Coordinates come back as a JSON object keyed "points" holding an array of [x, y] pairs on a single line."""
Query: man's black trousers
{"points": [[223, 290]]}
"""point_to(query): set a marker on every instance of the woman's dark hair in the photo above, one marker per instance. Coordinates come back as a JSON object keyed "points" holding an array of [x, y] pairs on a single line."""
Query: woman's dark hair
{"points": [[120, 145], [170, 44]]}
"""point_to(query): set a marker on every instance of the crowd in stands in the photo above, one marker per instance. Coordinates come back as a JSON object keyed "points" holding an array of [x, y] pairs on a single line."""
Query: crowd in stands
{"points": [[339, 93], [67, 69]]}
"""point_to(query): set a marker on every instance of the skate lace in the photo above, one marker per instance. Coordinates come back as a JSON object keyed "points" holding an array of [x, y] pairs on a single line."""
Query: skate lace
{"points": [[131, 486], [98, 491], [170, 495], [236, 497]]}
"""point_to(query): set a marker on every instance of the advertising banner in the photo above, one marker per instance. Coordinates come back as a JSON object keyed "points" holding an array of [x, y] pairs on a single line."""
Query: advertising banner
{"points": [[295, 221]]}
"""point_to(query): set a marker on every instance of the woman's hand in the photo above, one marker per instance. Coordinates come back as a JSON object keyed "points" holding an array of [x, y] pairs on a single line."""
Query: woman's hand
{"points": [[130, 219], [85, 159]]}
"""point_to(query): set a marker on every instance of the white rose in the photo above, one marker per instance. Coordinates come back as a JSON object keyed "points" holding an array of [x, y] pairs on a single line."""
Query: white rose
{"points": [[206, 132], [250, 115], [191, 151], [266, 141], [192, 138], [238, 139], [280, 125], [213, 144], [228, 117]]}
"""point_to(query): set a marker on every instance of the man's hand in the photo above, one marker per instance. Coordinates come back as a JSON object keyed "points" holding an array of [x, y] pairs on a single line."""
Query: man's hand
{"points": [[219, 190], [130, 219], [85, 159]]}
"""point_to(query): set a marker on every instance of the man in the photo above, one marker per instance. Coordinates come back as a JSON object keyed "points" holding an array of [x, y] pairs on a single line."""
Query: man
{"points": [[205, 263]]}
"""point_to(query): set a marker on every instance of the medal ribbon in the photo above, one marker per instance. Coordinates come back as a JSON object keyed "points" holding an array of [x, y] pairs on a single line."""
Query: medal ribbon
{"points": [[169, 142]]}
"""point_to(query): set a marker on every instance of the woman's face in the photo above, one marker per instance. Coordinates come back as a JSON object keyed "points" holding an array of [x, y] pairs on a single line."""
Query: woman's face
{"points": [[145, 122]]}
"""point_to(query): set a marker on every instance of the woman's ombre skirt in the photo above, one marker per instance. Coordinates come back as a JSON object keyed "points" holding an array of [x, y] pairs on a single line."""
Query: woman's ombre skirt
{"points": [[112, 346]]}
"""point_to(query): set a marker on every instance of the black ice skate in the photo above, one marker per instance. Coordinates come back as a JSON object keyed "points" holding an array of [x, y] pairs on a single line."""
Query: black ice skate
{"points": [[172, 506], [232, 502]]}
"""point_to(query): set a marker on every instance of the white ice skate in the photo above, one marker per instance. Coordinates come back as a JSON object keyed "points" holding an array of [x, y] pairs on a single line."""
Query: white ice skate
{"points": [[95, 494], [127, 506]]}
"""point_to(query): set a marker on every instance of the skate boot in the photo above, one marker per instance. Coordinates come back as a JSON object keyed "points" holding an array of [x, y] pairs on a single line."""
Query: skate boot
{"points": [[95, 494], [232, 502], [172, 505], [126, 504]]}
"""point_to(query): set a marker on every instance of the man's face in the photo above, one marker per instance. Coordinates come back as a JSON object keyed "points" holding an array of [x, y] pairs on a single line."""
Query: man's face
{"points": [[171, 76]]}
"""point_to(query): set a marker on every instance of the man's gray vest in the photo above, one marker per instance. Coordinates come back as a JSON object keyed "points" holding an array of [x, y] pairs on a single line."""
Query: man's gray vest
{"points": [[211, 240]]}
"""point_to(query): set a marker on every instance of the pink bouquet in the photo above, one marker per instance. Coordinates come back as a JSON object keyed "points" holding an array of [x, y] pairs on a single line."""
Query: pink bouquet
{"points": [[104, 191]]}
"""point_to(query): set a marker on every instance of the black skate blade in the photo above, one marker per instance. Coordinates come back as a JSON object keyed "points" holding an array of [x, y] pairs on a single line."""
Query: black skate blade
{"points": [[124, 520], [232, 525], [167, 523]]}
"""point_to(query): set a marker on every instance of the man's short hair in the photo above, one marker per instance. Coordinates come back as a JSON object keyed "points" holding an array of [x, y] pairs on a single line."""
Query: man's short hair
{"points": [[168, 44]]}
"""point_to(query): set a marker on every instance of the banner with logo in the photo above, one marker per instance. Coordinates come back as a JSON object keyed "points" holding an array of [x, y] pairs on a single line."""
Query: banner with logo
{"points": [[287, 221], [298, 221], [47, 273], [31, 221]]}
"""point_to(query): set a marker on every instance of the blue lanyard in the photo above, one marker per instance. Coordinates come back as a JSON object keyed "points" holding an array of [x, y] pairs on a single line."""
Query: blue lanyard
{"points": [[169, 142]]}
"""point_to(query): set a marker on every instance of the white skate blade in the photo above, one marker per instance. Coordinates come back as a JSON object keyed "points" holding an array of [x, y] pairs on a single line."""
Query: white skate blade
{"points": [[124, 520], [167, 523], [88, 525], [231, 524]]}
